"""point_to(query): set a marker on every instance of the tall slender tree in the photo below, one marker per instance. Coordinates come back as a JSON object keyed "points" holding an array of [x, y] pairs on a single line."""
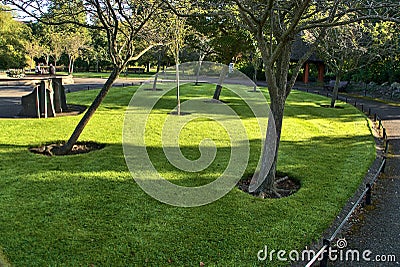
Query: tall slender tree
{"points": [[345, 49]]}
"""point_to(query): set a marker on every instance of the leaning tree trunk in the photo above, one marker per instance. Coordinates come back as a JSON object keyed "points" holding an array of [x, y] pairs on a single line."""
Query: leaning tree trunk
{"points": [[69, 65], [201, 58], [335, 90], [218, 88], [67, 147], [255, 77], [160, 54]]}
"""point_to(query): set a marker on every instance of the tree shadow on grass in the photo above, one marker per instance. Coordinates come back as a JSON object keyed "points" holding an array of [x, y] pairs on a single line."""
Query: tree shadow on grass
{"points": [[325, 149], [86, 209]]}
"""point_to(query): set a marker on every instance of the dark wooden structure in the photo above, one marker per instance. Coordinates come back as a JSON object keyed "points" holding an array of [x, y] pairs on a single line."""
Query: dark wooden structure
{"points": [[46, 100], [299, 49]]}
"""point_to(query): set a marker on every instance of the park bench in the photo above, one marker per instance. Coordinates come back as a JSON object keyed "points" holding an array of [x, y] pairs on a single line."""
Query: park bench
{"points": [[342, 85], [135, 70]]}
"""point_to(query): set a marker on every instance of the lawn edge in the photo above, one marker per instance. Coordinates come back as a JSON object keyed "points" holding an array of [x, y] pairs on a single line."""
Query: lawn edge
{"points": [[373, 168], [380, 100]]}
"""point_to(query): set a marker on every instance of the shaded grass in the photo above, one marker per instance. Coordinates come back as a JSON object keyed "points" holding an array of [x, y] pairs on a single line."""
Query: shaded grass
{"points": [[86, 209]]}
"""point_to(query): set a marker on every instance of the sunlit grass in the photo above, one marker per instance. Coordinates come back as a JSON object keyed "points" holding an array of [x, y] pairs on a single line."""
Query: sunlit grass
{"points": [[86, 209]]}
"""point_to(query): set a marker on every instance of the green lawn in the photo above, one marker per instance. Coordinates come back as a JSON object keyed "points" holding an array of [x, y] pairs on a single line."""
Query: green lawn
{"points": [[87, 210]]}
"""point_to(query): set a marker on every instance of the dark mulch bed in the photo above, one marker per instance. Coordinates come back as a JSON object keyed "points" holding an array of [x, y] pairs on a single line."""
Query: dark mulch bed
{"points": [[78, 148], [72, 110], [285, 186]]}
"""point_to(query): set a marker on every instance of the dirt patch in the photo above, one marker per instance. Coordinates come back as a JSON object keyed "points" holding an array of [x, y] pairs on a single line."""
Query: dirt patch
{"points": [[72, 110], [78, 148], [284, 187]]}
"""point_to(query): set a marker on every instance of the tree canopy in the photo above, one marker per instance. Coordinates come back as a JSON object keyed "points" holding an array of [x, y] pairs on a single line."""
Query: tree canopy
{"points": [[14, 36]]}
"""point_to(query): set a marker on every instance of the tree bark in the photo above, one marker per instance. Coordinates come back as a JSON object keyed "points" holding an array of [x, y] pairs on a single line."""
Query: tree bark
{"points": [[201, 58], [276, 73], [67, 147], [178, 98], [277, 110], [221, 79], [335, 90], [255, 77]]}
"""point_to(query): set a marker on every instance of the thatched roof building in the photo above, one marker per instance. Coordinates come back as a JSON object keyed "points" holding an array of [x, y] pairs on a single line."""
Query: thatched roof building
{"points": [[298, 50]]}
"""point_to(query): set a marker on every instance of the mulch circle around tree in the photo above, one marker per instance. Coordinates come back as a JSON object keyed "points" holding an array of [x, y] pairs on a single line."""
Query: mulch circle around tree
{"points": [[72, 110], [284, 187], [78, 148]]}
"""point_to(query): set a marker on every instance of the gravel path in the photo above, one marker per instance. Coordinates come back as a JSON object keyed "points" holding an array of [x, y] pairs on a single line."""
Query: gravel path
{"points": [[378, 229]]}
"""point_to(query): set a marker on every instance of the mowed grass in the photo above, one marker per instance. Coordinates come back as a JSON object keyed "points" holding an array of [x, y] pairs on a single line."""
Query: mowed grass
{"points": [[87, 210]]}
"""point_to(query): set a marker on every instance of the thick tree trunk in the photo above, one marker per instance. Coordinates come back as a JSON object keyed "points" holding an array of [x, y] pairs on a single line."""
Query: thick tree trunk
{"points": [[268, 174], [65, 149], [276, 73], [218, 88], [335, 90]]}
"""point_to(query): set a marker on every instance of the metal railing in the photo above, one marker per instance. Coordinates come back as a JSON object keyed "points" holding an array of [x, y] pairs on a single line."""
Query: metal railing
{"points": [[366, 193]]}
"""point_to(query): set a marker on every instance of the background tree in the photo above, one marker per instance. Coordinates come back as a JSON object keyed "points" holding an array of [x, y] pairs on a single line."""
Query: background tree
{"points": [[385, 38], [227, 40], [33, 50], [275, 25], [99, 44], [14, 36], [123, 22], [56, 46], [345, 49], [73, 44], [201, 44], [178, 32]]}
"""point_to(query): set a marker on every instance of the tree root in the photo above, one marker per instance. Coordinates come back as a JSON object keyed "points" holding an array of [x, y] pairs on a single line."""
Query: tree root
{"points": [[281, 180], [275, 191], [284, 190]]}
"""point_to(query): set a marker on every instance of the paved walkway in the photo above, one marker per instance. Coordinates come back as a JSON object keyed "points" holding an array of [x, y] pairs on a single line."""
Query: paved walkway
{"points": [[10, 95], [379, 232], [379, 226]]}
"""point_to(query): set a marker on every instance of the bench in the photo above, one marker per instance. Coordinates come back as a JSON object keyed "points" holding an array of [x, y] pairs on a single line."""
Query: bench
{"points": [[342, 85], [134, 70]]}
